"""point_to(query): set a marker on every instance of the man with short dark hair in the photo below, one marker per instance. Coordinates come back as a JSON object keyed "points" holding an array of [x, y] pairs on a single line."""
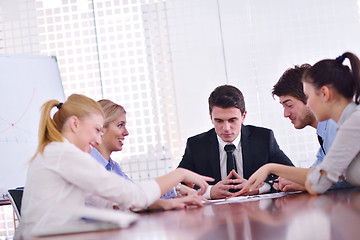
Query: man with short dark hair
{"points": [[289, 89], [231, 152]]}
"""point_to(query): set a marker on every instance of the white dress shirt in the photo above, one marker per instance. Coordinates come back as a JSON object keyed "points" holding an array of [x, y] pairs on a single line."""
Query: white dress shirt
{"points": [[238, 160], [237, 154], [59, 178]]}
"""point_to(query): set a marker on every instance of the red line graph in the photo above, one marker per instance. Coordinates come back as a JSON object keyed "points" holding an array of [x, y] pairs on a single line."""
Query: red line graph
{"points": [[13, 124]]}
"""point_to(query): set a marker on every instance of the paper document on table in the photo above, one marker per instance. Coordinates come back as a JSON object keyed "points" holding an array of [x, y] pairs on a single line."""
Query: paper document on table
{"points": [[92, 219], [249, 198]]}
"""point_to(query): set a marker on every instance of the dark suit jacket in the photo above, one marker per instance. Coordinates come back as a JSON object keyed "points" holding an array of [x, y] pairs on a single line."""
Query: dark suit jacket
{"points": [[258, 145]]}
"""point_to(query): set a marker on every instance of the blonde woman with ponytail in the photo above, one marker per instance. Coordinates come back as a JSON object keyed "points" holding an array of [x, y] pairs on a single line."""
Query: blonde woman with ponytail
{"points": [[62, 170]]}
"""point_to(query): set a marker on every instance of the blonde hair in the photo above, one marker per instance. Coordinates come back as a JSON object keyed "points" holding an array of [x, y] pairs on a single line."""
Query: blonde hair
{"points": [[111, 111], [50, 128]]}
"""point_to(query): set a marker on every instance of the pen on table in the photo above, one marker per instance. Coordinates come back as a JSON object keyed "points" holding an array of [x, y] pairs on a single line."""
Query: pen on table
{"points": [[238, 193]]}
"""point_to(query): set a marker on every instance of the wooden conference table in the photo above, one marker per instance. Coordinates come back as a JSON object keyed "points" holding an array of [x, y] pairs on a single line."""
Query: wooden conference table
{"points": [[334, 215]]}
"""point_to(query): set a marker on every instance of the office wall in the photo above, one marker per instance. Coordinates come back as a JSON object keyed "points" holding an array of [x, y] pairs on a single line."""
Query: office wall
{"points": [[264, 38], [250, 44]]}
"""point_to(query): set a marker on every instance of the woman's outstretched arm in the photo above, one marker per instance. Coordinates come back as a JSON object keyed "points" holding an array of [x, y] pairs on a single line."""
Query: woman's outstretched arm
{"points": [[294, 174], [167, 181]]}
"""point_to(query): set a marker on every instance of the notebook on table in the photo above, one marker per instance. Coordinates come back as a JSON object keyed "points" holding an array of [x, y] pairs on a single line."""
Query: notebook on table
{"points": [[90, 219]]}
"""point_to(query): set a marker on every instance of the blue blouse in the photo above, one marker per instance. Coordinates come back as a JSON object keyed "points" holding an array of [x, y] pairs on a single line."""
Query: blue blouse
{"points": [[111, 165]]}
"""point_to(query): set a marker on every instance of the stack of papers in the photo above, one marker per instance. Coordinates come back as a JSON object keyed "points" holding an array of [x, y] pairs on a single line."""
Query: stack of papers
{"points": [[249, 198]]}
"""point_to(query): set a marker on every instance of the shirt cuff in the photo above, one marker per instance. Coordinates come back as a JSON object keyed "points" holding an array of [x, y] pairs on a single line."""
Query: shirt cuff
{"points": [[265, 188], [151, 191], [207, 193], [170, 194], [319, 182]]}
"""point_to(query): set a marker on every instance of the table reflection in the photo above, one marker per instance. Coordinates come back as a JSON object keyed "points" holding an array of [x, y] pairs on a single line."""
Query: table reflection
{"points": [[334, 215]]}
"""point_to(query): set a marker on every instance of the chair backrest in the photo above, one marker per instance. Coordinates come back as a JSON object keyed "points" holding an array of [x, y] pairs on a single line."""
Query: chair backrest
{"points": [[15, 196]]}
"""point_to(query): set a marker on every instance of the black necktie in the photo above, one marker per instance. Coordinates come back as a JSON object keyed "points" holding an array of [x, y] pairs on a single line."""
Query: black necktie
{"points": [[230, 162], [321, 143]]}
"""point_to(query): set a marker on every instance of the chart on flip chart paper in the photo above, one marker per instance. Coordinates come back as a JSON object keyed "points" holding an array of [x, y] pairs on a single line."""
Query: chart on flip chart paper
{"points": [[26, 82]]}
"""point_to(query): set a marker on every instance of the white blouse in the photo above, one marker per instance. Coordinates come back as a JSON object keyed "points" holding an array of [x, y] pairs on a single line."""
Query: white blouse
{"points": [[343, 158], [59, 179]]}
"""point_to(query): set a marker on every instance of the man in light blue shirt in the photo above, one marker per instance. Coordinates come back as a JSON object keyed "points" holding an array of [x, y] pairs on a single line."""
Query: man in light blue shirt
{"points": [[326, 130], [289, 89]]}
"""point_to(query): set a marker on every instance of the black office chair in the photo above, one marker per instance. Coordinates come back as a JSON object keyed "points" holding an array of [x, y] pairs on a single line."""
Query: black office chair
{"points": [[15, 196]]}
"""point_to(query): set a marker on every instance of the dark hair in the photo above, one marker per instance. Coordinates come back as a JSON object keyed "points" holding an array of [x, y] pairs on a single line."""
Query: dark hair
{"points": [[290, 83], [333, 73], [226, 96]]}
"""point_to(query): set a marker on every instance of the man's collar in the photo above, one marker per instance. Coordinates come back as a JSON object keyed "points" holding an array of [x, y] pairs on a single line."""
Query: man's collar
{"points": [[321, 128], [236, 141]]}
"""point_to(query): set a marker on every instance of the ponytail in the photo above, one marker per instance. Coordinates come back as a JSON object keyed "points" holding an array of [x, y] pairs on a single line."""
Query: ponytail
{"points": [[332, 72], [50, 129], [355, 66]]}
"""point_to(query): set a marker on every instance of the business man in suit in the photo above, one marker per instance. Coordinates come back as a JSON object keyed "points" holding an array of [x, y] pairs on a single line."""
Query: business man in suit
{"points": [[247, 147]]}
